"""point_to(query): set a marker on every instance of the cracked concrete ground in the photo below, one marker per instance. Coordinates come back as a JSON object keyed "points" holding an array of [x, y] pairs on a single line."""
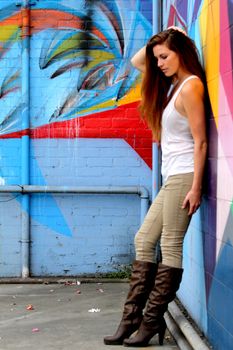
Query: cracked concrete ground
{"points": [[57, 316]]}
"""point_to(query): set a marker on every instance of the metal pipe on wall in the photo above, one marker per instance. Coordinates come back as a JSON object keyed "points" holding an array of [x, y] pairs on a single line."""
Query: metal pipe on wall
{"points": [[156, 10], [73, 189], [156, 171], [25, 157], [25, 190], [29, 189]]}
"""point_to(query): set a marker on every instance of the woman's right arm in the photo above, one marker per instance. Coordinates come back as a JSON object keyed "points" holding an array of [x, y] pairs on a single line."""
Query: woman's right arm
{"points": [[138, 60]]}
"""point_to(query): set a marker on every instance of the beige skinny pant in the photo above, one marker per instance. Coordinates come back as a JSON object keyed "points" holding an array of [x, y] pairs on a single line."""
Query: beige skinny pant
{"points": [[167, 221]]}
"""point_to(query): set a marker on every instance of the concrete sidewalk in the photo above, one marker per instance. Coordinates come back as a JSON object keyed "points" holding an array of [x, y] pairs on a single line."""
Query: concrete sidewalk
{"points": [[61, 316]]}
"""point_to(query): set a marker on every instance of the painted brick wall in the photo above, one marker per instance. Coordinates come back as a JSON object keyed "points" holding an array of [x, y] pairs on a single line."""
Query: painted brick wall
{"points": [[85, 130], [96, 232], [207, 287]]}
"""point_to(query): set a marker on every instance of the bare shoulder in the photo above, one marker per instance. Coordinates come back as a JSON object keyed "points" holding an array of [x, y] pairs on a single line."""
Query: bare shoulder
{"points": [[193, 87]]}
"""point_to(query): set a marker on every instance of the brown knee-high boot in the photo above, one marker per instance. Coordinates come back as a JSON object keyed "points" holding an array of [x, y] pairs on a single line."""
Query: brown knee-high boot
{"points": [[141, 283], [166, 285]]}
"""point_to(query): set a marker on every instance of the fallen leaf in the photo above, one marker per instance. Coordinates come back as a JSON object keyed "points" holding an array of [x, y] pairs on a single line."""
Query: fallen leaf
{"points": [[30, 307], [94, 310], [34, 330]]}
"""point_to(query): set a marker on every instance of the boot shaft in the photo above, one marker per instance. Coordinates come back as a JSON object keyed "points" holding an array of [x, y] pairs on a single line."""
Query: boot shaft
{"points": [[167, 283], [141, 283], [142, 280]]}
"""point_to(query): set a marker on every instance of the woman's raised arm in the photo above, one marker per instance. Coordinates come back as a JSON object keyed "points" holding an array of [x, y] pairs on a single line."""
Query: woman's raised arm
{"points": [[138, 60]]}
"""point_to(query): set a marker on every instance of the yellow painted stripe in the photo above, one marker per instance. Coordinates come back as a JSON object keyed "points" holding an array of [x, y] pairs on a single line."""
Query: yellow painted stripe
{"points": [[210, 33], [99, 106]]}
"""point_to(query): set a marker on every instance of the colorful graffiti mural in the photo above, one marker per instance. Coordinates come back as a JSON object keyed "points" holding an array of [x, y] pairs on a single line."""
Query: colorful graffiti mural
{"points": [[95, 84], [85, 129], [209, 244]]}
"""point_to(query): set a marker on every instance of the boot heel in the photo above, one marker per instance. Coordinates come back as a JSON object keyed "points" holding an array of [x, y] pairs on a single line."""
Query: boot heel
{"points": [[162, 334], [145, 333]]}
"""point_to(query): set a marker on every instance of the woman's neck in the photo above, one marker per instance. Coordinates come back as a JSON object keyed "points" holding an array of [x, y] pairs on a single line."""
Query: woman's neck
{"points": [[180, 76]]}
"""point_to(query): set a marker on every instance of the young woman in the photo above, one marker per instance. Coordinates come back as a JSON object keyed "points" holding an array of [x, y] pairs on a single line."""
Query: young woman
{"points": [[173, 104]]}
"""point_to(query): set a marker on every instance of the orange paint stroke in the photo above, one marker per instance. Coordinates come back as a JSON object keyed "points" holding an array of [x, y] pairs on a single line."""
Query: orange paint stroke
{"points": [[13, 20], [43, 19]]}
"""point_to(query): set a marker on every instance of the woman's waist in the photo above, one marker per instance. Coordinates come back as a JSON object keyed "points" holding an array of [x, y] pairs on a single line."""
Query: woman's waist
{"points": [[173, 168], [184, 153], [178, 161]]}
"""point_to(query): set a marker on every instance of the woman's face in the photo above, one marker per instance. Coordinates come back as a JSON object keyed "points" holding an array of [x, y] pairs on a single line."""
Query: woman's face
{"points": [[168, 60]]}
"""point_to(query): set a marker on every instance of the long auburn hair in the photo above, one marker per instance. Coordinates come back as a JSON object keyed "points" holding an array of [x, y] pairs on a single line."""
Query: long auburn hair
{"points": [[155, 85]]}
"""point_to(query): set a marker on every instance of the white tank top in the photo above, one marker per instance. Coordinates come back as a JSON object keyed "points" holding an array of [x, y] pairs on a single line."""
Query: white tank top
{"points": [[176, 139]]}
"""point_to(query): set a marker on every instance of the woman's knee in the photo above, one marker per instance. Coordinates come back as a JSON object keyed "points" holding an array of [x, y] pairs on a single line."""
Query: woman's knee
{"points": [[143, 243], [172, 255], [145, 250], [138, 240]]}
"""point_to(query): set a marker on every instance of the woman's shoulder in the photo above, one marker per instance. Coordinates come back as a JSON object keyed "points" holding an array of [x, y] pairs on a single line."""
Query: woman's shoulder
{"points": [[192, 85]]}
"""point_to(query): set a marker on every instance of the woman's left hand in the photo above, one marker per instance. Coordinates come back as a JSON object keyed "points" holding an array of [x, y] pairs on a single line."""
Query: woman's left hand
{"points": [[192, 201]]}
